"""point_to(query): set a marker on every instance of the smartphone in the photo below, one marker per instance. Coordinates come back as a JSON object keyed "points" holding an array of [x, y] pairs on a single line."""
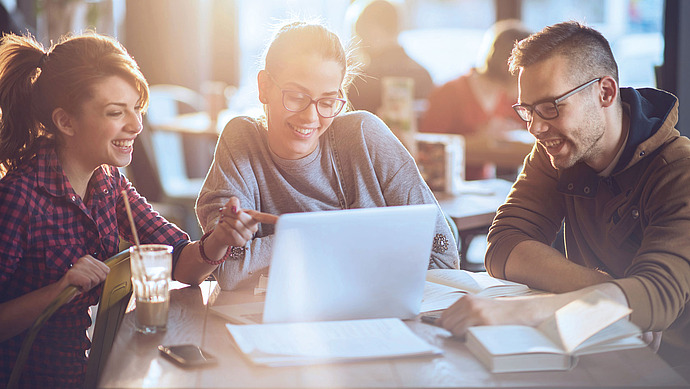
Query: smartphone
{"points": [[187, 355], [430, 318]]}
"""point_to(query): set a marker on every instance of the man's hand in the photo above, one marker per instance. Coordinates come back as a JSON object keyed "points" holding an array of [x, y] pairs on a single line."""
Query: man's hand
{"points": [[472, 310]]}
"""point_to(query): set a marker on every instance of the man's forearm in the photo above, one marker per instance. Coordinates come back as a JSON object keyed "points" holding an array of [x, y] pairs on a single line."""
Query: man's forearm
{"points": [[542, 267]]}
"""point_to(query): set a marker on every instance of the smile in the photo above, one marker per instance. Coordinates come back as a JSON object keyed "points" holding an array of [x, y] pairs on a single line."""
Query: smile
{"points": [[303, 131], [123, 143], [552, 143]]}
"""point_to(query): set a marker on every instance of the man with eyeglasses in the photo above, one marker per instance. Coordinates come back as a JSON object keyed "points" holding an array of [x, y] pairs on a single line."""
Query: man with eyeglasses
{"points": [[609, 166]]}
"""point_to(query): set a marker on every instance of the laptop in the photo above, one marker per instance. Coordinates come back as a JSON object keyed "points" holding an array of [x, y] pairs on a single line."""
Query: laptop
{"points": [[345, 265]]}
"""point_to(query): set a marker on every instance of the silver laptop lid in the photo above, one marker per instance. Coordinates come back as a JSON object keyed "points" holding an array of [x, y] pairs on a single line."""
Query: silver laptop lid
{"points": [[350, 264]]}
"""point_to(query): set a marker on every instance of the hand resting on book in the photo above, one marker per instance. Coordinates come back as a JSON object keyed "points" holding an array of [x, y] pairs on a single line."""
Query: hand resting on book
{"points": [[472, 310]]}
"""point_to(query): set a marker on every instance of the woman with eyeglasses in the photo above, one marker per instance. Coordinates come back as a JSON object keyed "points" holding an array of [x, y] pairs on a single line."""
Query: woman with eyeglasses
{"points": [[307, 154]]}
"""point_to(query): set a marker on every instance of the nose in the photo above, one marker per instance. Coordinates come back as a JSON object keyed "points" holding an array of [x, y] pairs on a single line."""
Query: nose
{"points": [[537, 126], [135, 124], [311, 112]]}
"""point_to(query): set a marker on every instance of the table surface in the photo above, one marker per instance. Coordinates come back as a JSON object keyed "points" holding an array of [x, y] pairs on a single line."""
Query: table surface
{"points": [[476, 204], [135, 361]]}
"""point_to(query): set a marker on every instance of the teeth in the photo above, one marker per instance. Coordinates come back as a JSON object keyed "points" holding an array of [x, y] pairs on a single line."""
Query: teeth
{"points": [[123, 143], [551, 143], [303, 131]]}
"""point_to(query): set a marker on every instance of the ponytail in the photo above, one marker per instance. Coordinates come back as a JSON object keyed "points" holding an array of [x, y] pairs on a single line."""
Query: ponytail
{"points": [[19, 128], [34, 82]]}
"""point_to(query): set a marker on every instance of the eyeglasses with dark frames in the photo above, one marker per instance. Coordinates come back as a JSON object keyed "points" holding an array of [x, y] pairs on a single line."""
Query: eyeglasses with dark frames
{"points": [[296, 101], [547, 109]]}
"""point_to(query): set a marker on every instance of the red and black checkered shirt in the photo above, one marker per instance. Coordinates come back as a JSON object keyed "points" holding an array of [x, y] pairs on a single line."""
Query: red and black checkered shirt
{"points": [[44, 228]]}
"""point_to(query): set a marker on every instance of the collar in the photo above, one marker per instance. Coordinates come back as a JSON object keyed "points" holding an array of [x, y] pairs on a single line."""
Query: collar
{"points": [[609, 169], [653, 113], [51, 177]]}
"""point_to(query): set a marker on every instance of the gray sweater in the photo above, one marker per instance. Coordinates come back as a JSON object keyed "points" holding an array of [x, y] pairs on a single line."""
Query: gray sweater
{"points": [[358, 163]]}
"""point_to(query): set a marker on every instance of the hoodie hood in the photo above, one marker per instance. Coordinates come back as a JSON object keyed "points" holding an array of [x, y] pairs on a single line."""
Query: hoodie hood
{"points": [[653, 116], [650, 110]]}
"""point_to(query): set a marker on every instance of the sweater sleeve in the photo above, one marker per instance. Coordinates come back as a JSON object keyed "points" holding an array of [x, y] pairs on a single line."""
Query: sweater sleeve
{"points": [[232, 174], [532, 211], [657, 282]]}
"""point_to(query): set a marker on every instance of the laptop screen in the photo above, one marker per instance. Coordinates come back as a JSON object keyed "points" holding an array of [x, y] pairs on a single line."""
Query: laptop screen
{"points": [[350, 264]]}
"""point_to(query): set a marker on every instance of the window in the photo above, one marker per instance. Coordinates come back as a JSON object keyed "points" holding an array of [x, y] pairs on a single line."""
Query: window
{"points": [[445, 36]]}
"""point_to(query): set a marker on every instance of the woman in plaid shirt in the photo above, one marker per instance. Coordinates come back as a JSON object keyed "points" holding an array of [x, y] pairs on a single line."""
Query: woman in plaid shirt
{"points": [[70, 116]]}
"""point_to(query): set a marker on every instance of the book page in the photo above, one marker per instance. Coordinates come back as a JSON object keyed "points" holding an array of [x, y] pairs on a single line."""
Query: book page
{"points": [[476, 283], [620, 335], [437, 296], [318, 342], [513, 339], [578, 320]]}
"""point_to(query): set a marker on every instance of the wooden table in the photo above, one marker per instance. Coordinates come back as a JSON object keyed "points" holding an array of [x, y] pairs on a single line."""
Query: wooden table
{"points": [[135, 361], [473, 210]]}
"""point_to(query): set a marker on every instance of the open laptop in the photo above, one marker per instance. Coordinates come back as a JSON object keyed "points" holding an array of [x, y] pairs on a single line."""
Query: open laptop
{"points": [[345, 265]]}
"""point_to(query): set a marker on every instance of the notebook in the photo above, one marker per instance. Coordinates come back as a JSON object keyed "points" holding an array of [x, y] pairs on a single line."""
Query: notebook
{"points": [[345, 265]]}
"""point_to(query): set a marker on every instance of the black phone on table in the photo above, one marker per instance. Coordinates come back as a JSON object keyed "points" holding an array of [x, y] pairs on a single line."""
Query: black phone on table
{"points": [[187, 355]]}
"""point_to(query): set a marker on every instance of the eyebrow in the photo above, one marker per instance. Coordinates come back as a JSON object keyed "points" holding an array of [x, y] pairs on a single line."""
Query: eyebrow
{"points": [[123, 105], [299, 88]]}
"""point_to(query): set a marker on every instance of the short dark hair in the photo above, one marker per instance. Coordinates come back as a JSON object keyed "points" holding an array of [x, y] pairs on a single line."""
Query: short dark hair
{"points": [[380, 13], [586, 50]]}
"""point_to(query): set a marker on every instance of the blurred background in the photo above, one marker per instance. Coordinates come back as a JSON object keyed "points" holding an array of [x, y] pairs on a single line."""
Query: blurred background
{"points": [[188, 42], [201, 58]]}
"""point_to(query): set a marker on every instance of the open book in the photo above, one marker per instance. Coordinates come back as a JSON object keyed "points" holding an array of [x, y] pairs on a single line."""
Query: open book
{"points": [[286, 344], [445, 286], [588, 325]]}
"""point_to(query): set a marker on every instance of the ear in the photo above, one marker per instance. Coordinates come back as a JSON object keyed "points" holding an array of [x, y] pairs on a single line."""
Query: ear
{"points": [[264, 83], [63, 121], [608, 91]]}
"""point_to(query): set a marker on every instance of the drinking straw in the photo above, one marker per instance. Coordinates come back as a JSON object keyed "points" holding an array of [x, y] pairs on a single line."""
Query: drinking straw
{"points": [[138, 264], [131, 221]]}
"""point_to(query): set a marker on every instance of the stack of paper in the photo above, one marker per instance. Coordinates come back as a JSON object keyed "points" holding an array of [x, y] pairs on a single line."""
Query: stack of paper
{"points": [[286, 344]]}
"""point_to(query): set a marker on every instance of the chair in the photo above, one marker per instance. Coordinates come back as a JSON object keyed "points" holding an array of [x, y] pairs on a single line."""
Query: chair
{"points": [[161, 159], [115, 297], [167, 102], [157, 171]]}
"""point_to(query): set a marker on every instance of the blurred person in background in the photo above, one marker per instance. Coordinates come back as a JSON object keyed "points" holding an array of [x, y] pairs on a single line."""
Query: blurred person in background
{"points": [[377, 27], [479, 102]]}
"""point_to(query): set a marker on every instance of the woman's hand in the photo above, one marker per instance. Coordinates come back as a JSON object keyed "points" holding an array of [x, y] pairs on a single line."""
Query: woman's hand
{"points": [[85, 274], [236, 226]]}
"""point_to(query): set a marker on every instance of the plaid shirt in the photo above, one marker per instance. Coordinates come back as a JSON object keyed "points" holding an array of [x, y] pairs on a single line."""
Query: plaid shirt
{"points": [[45, 227]]}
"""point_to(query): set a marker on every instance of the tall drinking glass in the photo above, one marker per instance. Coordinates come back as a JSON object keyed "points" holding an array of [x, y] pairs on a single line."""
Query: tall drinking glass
{"points": [[151, 266]]}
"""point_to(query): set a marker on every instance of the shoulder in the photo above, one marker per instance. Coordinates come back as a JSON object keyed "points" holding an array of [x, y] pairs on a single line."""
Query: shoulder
{"points": [[240, 123], [361, 135], [362, 127], [20, 180], [242, 130], [358, 122], [675, 152], [17, 189]]}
